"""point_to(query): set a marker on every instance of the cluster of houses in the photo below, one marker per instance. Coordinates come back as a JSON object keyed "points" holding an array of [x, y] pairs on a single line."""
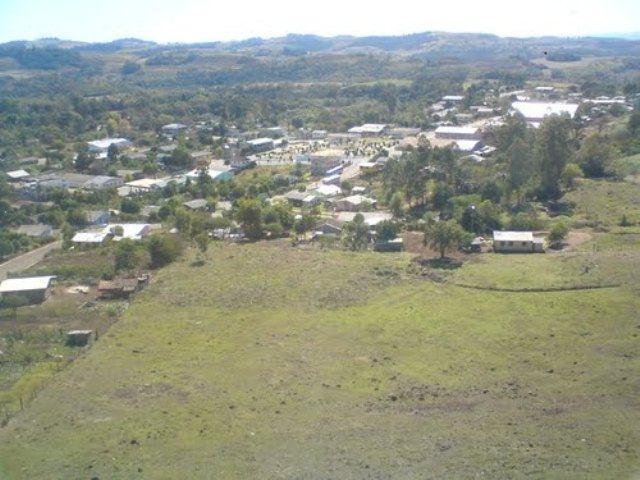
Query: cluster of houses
{"points": [[115, 232], [330, 156]]}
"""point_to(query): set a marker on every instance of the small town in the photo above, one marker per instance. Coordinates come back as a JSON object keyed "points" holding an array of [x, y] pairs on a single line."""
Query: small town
{"points": [[226, 259]]}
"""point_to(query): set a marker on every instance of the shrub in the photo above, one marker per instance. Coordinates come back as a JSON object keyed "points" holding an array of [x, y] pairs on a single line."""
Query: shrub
{"points": [[164, 249], [625, 222], [558, 232]]}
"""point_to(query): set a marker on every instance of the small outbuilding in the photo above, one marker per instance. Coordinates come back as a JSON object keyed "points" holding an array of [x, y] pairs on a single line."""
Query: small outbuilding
{"points": [[79, 338], [121, 287]]}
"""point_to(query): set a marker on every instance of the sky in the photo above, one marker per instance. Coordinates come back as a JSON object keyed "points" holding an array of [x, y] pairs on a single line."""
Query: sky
{"points": [[184, 21]]}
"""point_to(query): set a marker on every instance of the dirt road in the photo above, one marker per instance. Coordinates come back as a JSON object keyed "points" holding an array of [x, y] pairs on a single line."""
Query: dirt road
{"points": [[26, 260]]}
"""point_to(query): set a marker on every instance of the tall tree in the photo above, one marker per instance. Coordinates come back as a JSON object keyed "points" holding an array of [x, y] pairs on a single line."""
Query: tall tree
{"points": [[443, 236], [594, 156], [355, 234], [519, 167], [249, 215], [112, 153], [553, 148]]}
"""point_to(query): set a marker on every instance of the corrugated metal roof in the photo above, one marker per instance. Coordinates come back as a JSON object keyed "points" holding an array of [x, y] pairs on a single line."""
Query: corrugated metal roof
{"points": [[508, 236], [457, 130], [90, 237], [538, 110], [25, 284], [16, 174]]}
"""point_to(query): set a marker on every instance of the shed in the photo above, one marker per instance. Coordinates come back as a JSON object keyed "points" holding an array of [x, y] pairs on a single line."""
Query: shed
{"points": [[78, 338], [26, 290], [395, 245], [119, 288]]}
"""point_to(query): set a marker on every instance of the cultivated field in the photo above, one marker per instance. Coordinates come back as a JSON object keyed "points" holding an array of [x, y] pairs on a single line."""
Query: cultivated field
{"points": [[276, 362]]}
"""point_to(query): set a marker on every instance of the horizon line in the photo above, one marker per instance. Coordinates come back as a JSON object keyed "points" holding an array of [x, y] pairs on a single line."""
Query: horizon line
{"points": [[629, 36]]}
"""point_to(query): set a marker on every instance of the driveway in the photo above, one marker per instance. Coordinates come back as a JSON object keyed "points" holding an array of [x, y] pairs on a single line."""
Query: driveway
{"points": [[26, 260]]}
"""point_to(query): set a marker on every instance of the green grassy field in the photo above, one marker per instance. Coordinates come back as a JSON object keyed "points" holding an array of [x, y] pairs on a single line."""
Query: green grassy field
{"points": [[602, 202], [276, 362]]}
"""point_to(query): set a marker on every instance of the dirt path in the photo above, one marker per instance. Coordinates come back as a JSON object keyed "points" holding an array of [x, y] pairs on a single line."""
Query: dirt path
{"points": [[26, 260]]}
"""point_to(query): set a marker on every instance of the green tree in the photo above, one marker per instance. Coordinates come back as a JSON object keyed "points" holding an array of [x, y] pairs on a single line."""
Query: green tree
{"points": [[519, 167], [355, 234], [112, 153], [249, 215], [83, 160], [594, 156], [130, 67], [180, 158], [557, 234], [553, 149], [304, 224], [443, 236], [441, 195], [128, 255], [274, 228], [515, 129], [164, 249], [396, 205], [386, 230], [571, 173], [77, 216], [471, 220], [5, 188], [634, 122], [183, 220], [150, 168], [202, 241], [6, 247], [130, 206], [491, 191]]}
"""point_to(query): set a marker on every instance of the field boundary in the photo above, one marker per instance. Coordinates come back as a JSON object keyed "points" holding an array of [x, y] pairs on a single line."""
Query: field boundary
{"points": [[538, 290]]}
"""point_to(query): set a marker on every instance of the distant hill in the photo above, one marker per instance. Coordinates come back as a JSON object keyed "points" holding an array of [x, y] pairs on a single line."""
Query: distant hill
{"points": [[53, 53]]}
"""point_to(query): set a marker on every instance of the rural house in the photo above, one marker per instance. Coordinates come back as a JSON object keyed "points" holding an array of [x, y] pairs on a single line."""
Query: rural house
{"points": [[90, 238], [517, 242], [101, 147], [39, 231], [173, 129], [535, 112], [354, 203], [458, 133]]}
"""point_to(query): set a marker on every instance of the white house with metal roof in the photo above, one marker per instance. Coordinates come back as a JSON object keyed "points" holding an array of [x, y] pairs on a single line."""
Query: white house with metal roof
{"points": [[458, 133], [370, 129], [90, 238], [15, 175], [26, 290], [535, 112], [102, 146], [517, 242]]}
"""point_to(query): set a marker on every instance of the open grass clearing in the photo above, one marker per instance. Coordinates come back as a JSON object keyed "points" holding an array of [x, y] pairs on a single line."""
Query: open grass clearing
{"points": [[275, 362]]}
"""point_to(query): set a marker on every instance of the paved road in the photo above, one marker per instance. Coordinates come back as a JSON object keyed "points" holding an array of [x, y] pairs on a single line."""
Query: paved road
{"points": [[26, 260]]}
